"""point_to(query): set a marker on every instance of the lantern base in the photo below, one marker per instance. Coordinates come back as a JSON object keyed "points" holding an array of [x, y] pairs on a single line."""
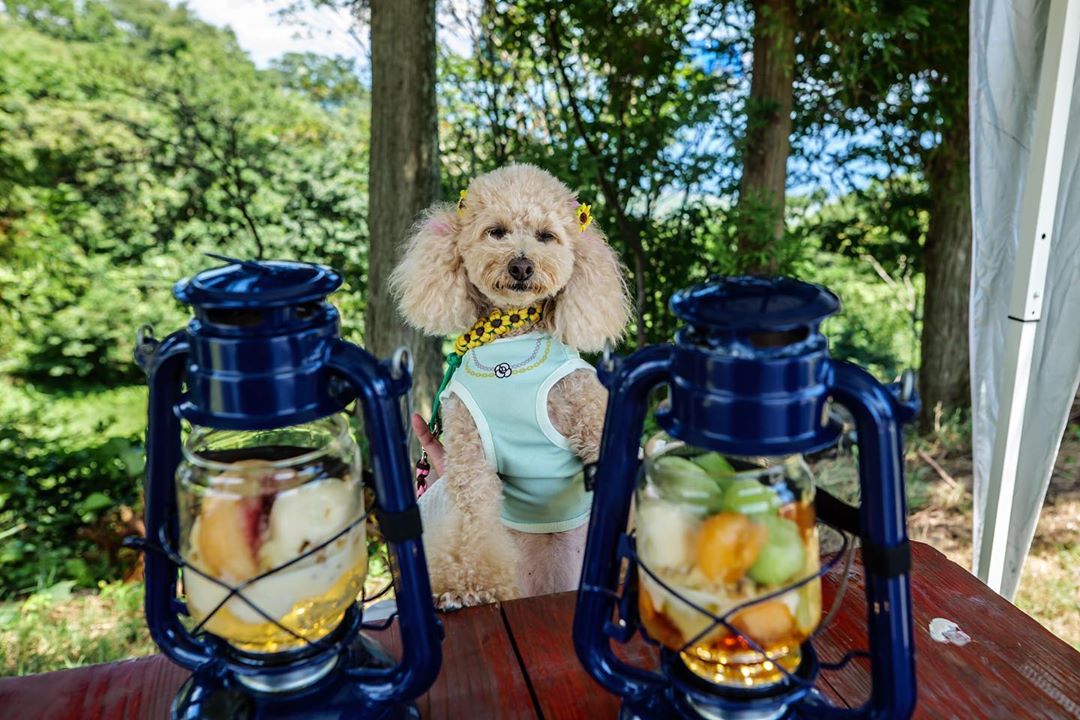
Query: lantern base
{"points": [[690, 698], [326, 693]]}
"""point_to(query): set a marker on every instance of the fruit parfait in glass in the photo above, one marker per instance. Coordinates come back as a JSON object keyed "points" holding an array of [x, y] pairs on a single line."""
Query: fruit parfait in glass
{"points": [[721, 532], [251, 504]]}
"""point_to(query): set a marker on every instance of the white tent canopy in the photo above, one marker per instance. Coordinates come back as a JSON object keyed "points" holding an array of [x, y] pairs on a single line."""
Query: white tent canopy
{"points": [[1025, 290]]}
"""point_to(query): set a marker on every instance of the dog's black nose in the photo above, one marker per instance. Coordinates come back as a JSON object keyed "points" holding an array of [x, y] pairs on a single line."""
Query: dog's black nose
{"points": [[521, 269]]}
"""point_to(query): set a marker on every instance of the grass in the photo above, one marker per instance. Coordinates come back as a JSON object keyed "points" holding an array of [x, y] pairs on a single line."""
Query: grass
{"points": [[61, 628], [56, 628], [1050, 591]]}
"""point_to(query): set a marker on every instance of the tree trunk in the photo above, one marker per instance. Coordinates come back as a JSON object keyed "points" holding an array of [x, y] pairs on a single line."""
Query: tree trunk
{"points": [[944, 376], [404, 174], [760, 212]]}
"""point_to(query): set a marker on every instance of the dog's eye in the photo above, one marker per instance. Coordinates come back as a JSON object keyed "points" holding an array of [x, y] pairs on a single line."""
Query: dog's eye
{"points": [[498, 232], [545, 236]]}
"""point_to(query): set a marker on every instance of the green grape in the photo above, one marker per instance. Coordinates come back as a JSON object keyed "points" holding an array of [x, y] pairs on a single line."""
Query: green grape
{"points": [[679, 479], [717, 466], [783, 555], [749, 497]]}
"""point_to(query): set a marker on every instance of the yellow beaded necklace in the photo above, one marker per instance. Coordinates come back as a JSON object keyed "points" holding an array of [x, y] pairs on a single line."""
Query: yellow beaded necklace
{"points": [[498, 322]]}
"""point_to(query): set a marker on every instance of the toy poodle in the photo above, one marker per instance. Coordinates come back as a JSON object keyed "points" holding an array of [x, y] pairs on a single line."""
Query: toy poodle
{"points": [[520, 274]]}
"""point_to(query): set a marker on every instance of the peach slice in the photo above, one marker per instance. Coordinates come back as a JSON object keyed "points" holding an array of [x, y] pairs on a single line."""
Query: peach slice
{"points": [[727, 545], [224, 535], [658, 625], [231, 523]]}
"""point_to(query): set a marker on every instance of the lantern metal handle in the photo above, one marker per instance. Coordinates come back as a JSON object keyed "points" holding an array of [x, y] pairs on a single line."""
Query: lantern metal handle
{"points": [[629, 382], [166, 368], [379, 393], [878, 413]]}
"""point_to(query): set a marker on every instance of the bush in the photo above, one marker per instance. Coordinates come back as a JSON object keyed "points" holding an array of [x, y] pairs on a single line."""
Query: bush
{"points": [[876, 326], [128, 153], [70, 469]]}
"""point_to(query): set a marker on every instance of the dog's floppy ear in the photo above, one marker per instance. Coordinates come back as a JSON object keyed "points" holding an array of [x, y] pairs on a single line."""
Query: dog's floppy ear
{"points": [[429, 283], [593, 308]]}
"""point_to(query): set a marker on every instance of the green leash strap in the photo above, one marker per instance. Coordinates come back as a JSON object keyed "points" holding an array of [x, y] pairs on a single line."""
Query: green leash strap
{"points": [[453, 360]]}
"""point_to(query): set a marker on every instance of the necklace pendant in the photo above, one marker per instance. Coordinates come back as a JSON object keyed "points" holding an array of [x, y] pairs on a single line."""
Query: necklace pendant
{"points": [[503, 370]]}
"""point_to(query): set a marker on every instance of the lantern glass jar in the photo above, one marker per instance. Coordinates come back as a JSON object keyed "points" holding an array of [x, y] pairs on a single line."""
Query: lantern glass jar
{"points": [[253, 506], [721, 532]]}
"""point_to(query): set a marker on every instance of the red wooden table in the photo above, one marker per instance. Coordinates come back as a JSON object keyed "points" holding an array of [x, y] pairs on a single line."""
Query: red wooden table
{"points": [[517, 661]]}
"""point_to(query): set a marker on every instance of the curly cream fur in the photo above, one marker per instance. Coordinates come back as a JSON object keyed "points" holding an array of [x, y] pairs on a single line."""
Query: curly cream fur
{"points": [[576, 406], [429, 283], [455, 268], [471, 556]]}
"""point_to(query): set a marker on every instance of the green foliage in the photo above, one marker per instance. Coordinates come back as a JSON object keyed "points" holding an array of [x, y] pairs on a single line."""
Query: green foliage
{"points": [[70, 475], [893, 73], [884, 224], [876, 327], [866, 247], [330, 81], [136, 138]]}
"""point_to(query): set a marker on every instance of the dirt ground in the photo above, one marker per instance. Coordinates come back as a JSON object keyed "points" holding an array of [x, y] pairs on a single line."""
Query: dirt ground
{"points": [[1050, 584], [939, 478]]}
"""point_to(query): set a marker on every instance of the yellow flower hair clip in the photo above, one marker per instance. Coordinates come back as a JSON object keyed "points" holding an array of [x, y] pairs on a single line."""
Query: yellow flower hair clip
{"points": [[584, 216], [461, 202]]}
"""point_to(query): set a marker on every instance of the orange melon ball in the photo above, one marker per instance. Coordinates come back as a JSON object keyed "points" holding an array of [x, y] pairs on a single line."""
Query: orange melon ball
{"points": [[727, 545], [766, 623]]}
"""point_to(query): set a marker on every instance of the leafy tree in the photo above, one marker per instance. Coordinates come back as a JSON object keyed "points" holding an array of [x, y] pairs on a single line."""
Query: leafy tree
{"points": [[136, 137], [332, 81], [866, 246], [901, 68], [404, 168]]}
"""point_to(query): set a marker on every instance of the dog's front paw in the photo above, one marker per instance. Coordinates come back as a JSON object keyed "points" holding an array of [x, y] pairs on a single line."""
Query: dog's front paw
{"points": [[449, 601], [472, 598], [457, 599]]}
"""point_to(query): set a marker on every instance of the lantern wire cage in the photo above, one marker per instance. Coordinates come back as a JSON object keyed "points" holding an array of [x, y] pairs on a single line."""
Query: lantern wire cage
{"points": [[628, 551], [164, 546]]}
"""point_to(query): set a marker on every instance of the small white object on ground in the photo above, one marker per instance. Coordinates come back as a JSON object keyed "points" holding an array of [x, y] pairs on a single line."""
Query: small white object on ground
{"points": [[946, 631]]}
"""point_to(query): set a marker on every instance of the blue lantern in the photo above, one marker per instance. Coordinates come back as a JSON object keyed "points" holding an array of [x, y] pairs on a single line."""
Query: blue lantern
{"points": [[723, 562], [260, 510]]}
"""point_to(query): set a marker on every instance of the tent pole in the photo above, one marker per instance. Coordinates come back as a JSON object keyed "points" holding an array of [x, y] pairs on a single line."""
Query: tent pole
{"points": [[1037, 214]]}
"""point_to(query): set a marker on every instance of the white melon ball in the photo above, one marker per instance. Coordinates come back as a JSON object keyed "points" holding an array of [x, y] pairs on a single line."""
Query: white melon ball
{"points": [[665, 535], [304, 517]]}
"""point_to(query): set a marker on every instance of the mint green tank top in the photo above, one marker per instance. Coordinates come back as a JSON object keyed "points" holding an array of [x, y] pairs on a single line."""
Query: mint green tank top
{"points": [[505, 386]]}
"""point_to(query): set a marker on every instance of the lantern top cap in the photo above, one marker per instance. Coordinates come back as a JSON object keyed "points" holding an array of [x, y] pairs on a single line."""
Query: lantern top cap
{"points": [[745, 303], [244, 284]]}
